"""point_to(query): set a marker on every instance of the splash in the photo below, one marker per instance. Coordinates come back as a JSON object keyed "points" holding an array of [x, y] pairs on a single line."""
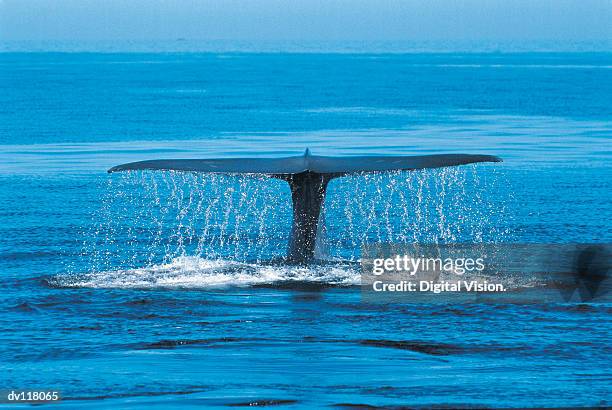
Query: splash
{"points": [[197, 273]]}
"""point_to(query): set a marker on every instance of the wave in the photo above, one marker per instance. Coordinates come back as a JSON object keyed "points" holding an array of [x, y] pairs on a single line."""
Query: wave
{"points": [[561, 66], [198, 273], [363, 110]]}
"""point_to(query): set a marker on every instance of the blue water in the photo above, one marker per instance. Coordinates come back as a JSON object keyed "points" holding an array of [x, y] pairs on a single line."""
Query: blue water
{"points": [[143, 289]]}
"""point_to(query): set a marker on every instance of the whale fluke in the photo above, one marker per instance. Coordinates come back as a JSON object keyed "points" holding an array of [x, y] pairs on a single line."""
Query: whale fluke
{"points": [[308, 176], [306, 162]]}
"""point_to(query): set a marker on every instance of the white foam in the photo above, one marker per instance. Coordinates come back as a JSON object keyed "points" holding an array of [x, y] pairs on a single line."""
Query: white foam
{"points": [[199, 273]]}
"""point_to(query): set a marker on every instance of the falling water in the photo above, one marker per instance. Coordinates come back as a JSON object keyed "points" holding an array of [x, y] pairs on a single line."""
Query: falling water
{"points": [[432, 206], [183, 223]]}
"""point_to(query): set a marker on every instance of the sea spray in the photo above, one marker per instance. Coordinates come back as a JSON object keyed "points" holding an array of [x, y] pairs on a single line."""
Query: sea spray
{"points": [[152, 218]]}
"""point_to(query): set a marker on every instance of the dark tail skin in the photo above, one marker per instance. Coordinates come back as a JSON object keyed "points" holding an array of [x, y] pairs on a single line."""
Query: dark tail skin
{"points": [[307, 194], [307, 176]]}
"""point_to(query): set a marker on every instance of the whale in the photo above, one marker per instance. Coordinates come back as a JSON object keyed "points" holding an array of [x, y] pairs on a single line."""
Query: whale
{"points": [[308, 176]]}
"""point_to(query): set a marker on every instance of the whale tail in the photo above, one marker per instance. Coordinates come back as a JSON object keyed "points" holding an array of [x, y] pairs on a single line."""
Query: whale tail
{"points": [[308, 176]]}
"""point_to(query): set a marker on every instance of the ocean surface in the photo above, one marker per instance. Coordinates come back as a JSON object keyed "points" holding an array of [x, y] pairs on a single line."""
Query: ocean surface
{"points": [[153, 290]]}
